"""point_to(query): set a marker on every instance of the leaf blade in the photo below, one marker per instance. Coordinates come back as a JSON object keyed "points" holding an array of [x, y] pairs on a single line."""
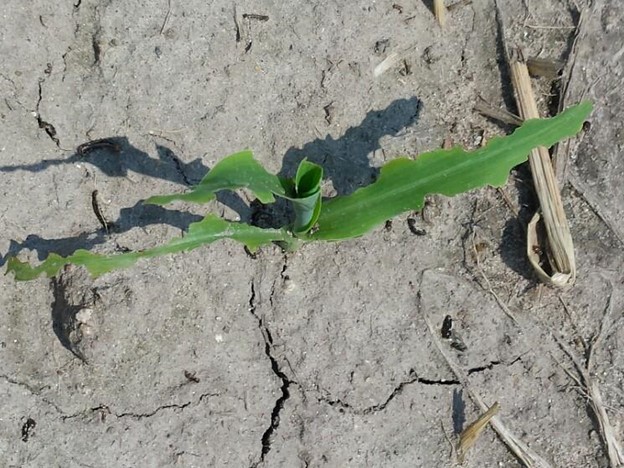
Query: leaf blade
{"points": [[206, 231], [403, 183], [238, 170], [306, 198]]}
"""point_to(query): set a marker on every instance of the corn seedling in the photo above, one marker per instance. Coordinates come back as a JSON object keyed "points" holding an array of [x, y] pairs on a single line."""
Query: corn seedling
{"points": [[401, 186]]}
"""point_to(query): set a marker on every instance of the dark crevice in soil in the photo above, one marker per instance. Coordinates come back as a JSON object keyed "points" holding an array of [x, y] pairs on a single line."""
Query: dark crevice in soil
{"points": [[166, 153], [286, 382], [46, 126], [476, 370], [425, 381], [32, 390], [464, 58], [105, 410], [284, 277], [491, 365], [283, 274], [64, 323], [413, 378], [96, 35], [154, 412], [96, 48], [21, 384], [178, 165], [27, 429]]}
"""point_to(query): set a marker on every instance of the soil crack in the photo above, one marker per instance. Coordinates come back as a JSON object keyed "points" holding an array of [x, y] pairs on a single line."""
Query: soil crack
{"points": [[106, 410], [284, 277], [177, 162], [35, 392], [267, 436], [46, 126], [21, 384], [491, 365], [152, 413], [412, 379]]}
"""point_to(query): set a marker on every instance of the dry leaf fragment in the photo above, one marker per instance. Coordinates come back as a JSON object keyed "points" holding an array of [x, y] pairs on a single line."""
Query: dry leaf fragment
{"points": [[470, 435]]}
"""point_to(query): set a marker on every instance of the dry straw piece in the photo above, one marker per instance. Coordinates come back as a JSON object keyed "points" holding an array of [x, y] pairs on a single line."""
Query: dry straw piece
{"points": [[589, 387], [559, 248], [592, 392], [470, 435], [502, 115], [439, 10], [389, 62]]}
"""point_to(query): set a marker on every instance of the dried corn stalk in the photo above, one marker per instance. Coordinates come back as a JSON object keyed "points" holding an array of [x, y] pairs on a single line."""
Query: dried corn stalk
{"points": [[559, 246]]}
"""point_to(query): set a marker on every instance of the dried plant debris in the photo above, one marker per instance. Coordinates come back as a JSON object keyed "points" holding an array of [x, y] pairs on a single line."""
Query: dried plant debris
{"points": [[386, 64], [520, 449], [495, 113], [544, 67], [590, 389], [97, 210], [191, 376], [470, 435], [439, 10], [255, 16], [560, 251]]}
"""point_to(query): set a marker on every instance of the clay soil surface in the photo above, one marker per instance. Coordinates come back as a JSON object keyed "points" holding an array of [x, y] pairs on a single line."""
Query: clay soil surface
{"points": [[325, 356]]}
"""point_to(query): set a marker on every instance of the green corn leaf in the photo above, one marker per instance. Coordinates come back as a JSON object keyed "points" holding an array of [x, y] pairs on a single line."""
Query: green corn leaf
{"points": [[307, 197], [403, 183], [210, 229], [308, 179], [239, 170]]}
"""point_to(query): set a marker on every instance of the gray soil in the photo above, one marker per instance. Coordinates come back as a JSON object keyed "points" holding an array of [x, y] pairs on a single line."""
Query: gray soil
{"points": [[321, 357]]}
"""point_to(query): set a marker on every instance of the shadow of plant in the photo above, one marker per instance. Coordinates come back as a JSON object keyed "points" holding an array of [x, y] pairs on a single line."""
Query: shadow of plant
{"points": [[345, 162]]}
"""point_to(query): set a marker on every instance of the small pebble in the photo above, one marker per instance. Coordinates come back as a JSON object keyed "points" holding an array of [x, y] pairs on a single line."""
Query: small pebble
{"points": [[84, 315]]}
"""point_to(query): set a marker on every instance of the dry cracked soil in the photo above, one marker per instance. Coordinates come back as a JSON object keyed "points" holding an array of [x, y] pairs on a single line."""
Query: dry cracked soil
{"points": [[329, 356]]}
